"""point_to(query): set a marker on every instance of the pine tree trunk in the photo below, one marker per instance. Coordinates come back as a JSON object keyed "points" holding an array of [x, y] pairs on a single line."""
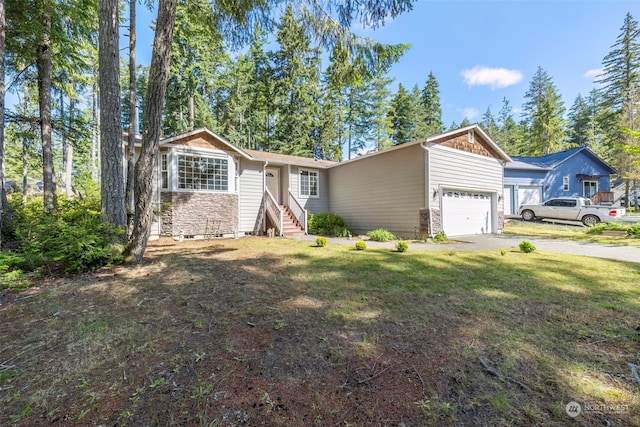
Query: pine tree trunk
{"points": [[25, 171], [68, 157], [66, 173], [158, 76], [111, 169], [133, 113], [192, 112], [4, 207], [43, 64], [95, 131]]}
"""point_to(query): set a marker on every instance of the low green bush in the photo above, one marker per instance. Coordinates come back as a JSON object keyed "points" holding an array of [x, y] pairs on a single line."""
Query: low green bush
{"points": [[440, 237], [327, 224], [321, 241], [380, 235], [73, 238], [527, 247], [11, 274], [360, 245], [600, 227], [402, 246]]}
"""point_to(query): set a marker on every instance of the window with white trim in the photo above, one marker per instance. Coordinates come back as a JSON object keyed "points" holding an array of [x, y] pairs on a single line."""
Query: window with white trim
{"points": [[203, 173], [164, 169], [565, 183], [308, 183]]}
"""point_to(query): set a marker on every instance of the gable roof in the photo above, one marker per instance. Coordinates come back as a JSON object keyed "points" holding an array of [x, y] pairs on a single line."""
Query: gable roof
{"points": [[553, 160], [433, 140], [476, 128], [224, 142]]}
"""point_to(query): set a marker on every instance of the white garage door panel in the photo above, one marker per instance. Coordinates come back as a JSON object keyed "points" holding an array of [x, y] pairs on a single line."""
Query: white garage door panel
{"points": [[506, 197], [529, 195], [466, 213]]}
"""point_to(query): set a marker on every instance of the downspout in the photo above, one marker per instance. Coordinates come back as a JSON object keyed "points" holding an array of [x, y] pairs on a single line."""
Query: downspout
{"points": [[427, 184], [264, 186], [236, 180]]}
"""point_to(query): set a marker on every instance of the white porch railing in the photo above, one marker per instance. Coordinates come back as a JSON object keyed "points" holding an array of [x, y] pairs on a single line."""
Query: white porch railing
{"points": [[298, 211], [273, 210]]}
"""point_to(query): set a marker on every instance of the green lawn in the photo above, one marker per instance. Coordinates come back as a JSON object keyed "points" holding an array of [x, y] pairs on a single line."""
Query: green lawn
{"points": [[260, 331], [566, 232]]}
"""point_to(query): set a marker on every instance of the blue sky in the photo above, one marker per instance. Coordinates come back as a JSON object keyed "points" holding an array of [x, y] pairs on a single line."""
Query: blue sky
{"points": [[483, 51]]}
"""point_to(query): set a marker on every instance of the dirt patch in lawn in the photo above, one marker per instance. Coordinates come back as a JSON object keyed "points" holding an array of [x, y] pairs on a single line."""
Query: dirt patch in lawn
{"points": [[270, 332]]}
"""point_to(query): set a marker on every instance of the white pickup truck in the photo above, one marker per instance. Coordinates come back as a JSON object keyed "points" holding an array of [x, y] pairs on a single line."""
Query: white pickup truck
{"points": [[571, 209]]}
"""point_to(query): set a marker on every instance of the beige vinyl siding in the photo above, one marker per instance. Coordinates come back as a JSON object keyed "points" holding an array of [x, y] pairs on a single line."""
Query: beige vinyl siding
{"points": [[311, 204], [385, 190], [251, 192], [452, 168]]}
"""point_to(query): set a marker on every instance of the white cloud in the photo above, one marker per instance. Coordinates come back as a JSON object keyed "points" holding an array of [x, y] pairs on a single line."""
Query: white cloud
{"points": [[592, 74], [494, 77]]}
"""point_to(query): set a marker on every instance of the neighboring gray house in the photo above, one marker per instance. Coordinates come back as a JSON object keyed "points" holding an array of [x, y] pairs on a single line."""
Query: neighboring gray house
{"points": [[574, 172], [450, 182]]}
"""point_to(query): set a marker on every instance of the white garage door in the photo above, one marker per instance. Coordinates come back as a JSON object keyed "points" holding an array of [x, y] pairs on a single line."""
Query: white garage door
{"points": [[466, 213], [529, 195]]}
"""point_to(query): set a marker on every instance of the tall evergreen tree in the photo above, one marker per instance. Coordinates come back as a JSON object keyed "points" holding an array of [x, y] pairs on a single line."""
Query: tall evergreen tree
{"points": [[621, 67], [34, 33], [111, 171], [261, 108], [403, 116], [510, 136], [431, 112], [543, 111], [586, 118], [489, 124], [196, 55], [296, 70], [381, 132], [620, 80]]}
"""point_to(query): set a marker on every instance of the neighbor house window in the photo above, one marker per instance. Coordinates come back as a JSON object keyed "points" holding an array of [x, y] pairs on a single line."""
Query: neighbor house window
{"points": [[470, 136], [308, 183], [164, 170], [565, 183], [203, 173]]}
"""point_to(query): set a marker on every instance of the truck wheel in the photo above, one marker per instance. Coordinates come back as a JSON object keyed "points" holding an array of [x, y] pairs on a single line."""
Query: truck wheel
{"points": [[528, 215], [590, 220]]}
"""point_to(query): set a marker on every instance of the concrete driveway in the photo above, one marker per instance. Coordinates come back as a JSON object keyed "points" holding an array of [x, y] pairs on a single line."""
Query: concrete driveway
{"points": [[507, 241]]}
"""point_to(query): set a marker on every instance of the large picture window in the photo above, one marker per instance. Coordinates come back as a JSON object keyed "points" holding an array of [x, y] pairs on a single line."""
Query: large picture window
{"points": [[308, 183], [203, 173]]}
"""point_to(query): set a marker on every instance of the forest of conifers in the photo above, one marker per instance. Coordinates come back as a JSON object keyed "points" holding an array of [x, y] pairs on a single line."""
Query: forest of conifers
{"points": [[284, 78]]}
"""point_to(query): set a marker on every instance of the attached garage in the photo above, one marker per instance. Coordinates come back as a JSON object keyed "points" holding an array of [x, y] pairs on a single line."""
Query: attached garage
{"points": [[451, 183], [466, 212]]}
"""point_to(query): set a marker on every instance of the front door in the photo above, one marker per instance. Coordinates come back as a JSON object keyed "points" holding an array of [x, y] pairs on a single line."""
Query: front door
{"points": [[273, 183], [590, 188]]}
